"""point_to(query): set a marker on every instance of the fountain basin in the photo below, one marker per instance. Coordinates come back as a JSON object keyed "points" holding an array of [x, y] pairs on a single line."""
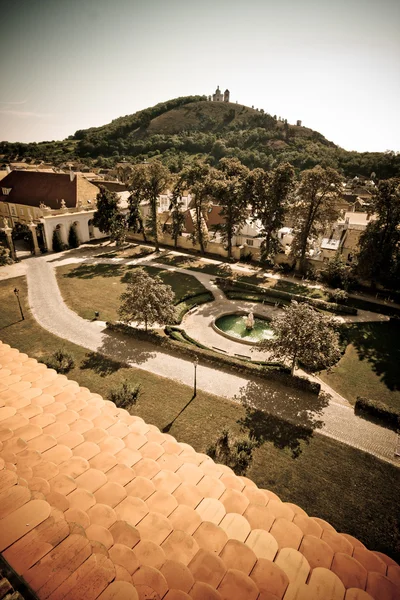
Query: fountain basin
{"points": [[233, 326]]}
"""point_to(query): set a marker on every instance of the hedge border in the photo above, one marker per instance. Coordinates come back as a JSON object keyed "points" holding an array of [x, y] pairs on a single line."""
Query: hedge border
{"points": [[273, 372], [201, 298], [226, 283], [378, 412]]}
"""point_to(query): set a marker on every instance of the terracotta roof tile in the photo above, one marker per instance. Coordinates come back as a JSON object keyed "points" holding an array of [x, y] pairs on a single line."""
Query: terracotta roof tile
{"points": [[149, 554], [263, 544], [207, 567], [140, 487], [236, 555], [96, 503], [177, 575], [124, 533], [185, 518]]}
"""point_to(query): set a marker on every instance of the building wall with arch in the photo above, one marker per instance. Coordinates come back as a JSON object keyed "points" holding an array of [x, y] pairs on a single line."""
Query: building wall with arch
{"points": [[82, 221]]}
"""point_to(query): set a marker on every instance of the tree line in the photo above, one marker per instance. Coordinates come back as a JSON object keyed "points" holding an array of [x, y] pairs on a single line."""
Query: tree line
{"points": [[272, 198]]}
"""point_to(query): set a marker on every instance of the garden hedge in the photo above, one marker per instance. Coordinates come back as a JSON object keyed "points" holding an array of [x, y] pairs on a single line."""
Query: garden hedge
{"points": [[190, 300], [272, 371], [231, 284], [378, 412]]}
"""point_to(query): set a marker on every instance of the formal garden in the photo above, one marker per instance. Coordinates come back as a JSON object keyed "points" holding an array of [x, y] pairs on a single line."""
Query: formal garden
{"points": [[370, 351], [290, 457]]}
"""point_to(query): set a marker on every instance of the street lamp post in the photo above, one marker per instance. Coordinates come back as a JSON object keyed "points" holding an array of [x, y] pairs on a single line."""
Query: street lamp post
{"points": [[16, 292], [195, 363]]}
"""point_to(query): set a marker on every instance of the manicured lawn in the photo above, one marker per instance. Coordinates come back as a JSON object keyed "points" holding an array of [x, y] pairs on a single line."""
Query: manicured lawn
{"points": [[354, 491], [370, 366], [88, 288]]}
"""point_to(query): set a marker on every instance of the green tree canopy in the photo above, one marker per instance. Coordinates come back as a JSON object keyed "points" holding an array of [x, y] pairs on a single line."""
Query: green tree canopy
{"points": [[227, 187], [147, 182], [269, 194], [315, 207], [379, 256], [108, 217], [198, 179], [302, 334], [176, 210], [147, 300]]}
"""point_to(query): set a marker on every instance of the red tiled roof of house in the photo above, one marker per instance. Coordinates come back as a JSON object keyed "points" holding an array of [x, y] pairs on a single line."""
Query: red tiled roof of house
{"points": [[33, 187], [96, 503]]}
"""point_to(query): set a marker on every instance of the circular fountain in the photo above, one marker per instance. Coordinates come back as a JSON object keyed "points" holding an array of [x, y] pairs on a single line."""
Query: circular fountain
{"points": [[242, 327]]}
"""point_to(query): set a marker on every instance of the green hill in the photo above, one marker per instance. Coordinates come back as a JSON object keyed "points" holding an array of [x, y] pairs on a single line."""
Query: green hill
{"points": [[190, 127]]}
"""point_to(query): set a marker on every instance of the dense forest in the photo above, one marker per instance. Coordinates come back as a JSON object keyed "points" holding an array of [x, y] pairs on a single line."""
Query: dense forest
{"points": [[187, 128]]}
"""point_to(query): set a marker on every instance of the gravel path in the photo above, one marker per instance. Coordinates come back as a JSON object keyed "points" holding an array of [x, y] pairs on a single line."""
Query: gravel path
{"points": [[334, 419]]}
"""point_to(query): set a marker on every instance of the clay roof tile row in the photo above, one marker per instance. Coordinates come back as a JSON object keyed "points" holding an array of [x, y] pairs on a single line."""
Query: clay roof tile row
{"points": [[95, 503]]}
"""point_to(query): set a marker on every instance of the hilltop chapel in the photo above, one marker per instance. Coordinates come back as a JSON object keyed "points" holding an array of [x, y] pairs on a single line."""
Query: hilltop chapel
{"points": [[219, 96]]}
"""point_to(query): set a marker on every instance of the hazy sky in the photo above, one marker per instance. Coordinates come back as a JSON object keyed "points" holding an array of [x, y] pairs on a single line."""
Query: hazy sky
{"points": [[72, 64]]}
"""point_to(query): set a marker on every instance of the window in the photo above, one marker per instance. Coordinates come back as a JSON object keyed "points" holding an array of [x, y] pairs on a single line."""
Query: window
{"points": [[6, 191], [250, 242], [21, 211], [13, 211]]}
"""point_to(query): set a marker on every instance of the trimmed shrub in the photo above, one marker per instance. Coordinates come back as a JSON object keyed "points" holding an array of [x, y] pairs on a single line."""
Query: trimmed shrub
{"points": [[233, 451], [5, 258], [61, 360], [378, 412], [57, 243], [125, 395], [185, 304], [338, 296], [73, 240], [363, 304]]}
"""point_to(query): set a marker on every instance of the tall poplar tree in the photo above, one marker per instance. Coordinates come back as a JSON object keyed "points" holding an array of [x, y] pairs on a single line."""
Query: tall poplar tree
{"points": [[198, 180], [146, 183], [228, 188], [269, 194], [108, 218], [175, 208], [379, 256], [315, 207]]}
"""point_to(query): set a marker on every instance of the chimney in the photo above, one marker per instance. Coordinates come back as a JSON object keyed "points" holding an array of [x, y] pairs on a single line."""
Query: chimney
{"points": [[71, 175]]}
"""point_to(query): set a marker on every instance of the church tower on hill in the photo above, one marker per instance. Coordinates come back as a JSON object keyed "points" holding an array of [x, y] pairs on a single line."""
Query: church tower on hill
{"points": [[220, 97]]}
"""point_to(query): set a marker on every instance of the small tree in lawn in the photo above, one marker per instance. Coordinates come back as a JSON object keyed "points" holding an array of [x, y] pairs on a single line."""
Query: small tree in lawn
{"points": [[147, 300], [302, 334]]}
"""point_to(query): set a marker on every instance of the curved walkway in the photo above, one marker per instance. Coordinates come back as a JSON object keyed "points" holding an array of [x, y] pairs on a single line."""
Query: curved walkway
{"points": [[334, 419]]}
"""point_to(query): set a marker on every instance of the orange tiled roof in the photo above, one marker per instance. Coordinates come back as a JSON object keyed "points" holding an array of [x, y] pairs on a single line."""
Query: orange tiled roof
{"points": [[95, 503]]}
